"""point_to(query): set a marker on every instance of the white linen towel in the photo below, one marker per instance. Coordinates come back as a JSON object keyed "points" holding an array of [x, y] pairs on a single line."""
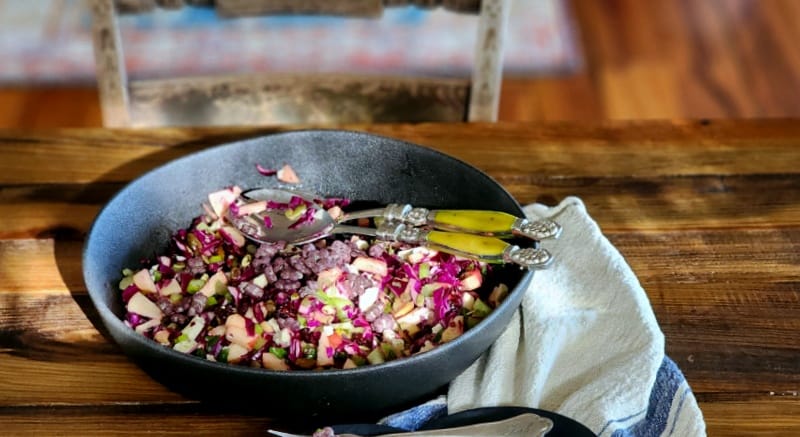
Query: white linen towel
{"points": [[585, 344]]}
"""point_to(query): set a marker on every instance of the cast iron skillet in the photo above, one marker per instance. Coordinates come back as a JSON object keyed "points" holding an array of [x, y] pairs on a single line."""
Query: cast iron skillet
{"points": [[139, 220]]}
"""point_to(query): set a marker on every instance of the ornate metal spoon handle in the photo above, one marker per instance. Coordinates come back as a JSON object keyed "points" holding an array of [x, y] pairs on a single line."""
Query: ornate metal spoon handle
{"points": [[487, 249], [491, 223]]}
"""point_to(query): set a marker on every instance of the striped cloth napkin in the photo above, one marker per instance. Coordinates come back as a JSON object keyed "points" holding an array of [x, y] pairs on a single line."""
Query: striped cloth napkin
{"points": [[585, 344]]}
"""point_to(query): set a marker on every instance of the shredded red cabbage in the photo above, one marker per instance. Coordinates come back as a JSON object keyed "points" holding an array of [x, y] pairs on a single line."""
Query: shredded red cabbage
{"points": [[337, 303]]}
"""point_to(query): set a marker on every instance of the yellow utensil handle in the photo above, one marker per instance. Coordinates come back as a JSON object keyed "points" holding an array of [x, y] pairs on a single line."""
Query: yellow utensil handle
{"points": [[488, 249], [487, 222]]}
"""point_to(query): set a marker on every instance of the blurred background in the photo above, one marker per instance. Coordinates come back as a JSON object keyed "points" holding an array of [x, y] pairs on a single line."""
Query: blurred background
{"points": [[584, 60]]}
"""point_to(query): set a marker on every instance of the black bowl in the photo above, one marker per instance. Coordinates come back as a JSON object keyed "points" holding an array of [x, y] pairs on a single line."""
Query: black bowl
{"points": [[139, 220]]}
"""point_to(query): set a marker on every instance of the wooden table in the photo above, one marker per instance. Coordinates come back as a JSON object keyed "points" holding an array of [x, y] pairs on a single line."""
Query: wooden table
{"points": [[706, 213]]}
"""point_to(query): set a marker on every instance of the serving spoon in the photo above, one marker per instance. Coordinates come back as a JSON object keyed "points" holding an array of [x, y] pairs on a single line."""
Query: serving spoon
{"points": [[308, 222], [491, 223]]}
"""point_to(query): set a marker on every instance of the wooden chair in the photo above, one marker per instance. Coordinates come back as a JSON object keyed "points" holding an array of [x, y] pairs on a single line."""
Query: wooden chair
{"points": [[296, 98]]}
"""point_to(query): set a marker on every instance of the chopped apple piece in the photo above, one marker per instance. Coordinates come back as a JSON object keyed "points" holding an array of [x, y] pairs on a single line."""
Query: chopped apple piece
{"points": [[148, 325], [252, 207], [403, 309], [144, 281], [162, 337], [335, 212], [349, 364], [143, 306], [370, 265], [498, 294], [272, 362], [323, 357], [215, 284], [467, 301], [193, 329], [236, 332], [217, 330], [288, 175], [233, 234], [368, 298], [454, 329], [412, 321], [222, 200], [471, 280], [236, 352], [173, 287], [419, 254], [328, 277]]}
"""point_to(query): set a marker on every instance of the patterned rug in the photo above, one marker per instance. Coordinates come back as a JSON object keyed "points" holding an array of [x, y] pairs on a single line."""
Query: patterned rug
{"points": [[49, 41]]}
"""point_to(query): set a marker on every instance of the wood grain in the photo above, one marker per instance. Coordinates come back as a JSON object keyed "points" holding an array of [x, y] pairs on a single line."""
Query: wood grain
{"points": [[705, 213], [295, 99]]}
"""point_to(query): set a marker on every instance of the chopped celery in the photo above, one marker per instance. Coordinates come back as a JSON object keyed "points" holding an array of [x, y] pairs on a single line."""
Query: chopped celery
{"points": [[375, 357], [260, 280], [125, 282], [472, 321], [175, 298], [156, 276], [424, 270], [216, 258], [127, 272], [480, 309], [294, 214], [260, 342], [181, 338], [211, 301], [246, 260], [388, 351], [195, 285]]}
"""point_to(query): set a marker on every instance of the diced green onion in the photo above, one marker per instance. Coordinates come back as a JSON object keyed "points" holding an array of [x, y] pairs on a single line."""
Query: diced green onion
{"points": [[278, 352], [223, 354], [309, 351]]}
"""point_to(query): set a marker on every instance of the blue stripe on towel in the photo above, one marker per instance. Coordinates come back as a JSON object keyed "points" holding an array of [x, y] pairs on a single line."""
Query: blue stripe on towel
{"points": [[669, 380]]}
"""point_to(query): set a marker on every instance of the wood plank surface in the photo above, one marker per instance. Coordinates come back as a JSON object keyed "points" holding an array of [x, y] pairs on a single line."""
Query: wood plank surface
{"points": [[706, 214]]}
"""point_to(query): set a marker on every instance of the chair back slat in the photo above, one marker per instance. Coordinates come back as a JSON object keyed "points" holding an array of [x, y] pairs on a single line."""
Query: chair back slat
{"points": [[297, 98]]}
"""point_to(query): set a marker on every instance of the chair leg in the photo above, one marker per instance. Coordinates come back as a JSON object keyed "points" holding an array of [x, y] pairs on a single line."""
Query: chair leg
{"points": [[488, 69], [112, 80]]}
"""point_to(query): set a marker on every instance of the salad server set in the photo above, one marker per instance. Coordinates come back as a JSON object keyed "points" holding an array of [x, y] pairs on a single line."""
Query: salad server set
{"points": [[475, 234]]}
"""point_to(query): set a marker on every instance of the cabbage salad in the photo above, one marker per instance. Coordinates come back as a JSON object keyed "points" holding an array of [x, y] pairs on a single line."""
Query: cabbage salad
{"points": [[340, 302]]}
